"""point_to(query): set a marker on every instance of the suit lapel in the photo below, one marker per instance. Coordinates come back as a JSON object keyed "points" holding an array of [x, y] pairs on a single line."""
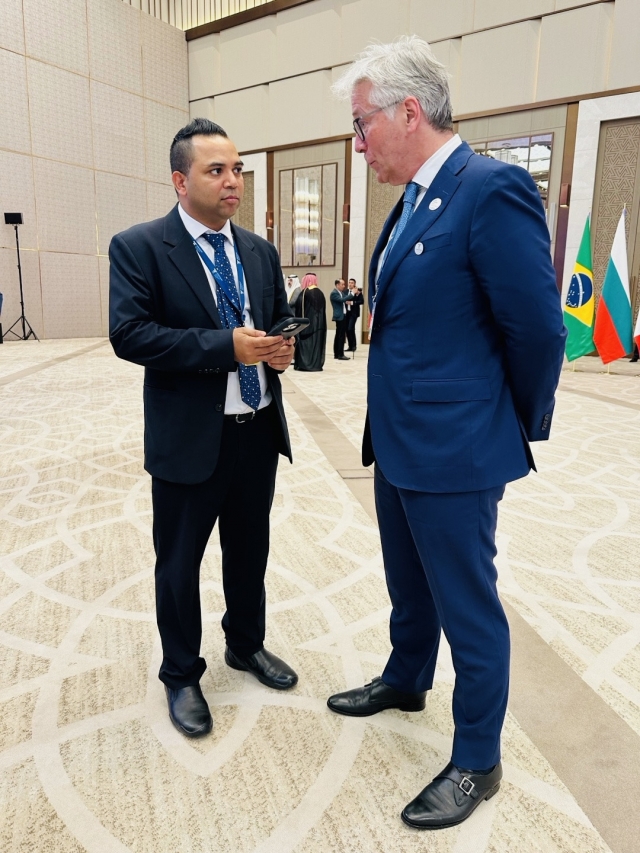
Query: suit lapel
{"points": [[184, 256], [252, 267], [443, 188]]}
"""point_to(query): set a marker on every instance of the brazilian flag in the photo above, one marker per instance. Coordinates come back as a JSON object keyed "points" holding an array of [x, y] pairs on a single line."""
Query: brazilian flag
{"points": [[579, 308]]}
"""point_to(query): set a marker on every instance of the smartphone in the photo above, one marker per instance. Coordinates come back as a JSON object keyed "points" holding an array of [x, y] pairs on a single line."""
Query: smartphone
{"points": [[288, 327]]}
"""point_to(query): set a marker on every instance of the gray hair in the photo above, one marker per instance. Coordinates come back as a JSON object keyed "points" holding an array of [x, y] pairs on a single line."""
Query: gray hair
{"points": [[404, 68]]}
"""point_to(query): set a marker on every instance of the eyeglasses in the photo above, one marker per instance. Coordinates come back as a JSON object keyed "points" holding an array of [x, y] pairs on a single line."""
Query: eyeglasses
{"points": [[357, 122]]}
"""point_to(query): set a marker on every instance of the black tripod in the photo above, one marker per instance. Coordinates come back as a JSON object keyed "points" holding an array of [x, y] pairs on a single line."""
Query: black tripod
{"points": [[15, 219]]}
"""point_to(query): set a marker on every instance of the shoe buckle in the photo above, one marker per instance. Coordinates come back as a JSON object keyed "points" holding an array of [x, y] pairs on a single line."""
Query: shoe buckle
{"points": [[466, 786]]}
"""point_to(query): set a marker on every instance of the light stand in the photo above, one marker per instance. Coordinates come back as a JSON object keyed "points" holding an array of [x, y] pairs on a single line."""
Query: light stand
{"points": [[15, 219]]}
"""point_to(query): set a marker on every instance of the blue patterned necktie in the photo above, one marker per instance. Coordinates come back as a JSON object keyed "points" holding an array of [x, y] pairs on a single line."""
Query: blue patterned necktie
{"points": [[408, 203], [231, 318]]}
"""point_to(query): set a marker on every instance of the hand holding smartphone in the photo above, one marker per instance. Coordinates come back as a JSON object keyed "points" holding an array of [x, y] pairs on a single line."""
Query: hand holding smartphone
{"points": [[288, 327]]}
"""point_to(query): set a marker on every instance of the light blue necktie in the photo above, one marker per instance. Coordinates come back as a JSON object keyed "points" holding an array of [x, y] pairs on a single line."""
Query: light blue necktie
{"points": [[408, 203], [230, 316]]}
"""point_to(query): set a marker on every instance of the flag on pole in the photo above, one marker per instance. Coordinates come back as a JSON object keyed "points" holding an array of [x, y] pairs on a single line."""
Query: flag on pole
{"points": [[613, 332], [579, 308]]}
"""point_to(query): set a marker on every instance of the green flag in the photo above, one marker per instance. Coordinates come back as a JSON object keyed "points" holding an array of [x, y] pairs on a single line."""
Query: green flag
{"points": [[579, 305]]}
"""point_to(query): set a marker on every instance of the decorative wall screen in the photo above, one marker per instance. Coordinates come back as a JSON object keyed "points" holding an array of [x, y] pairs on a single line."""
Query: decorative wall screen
{"points": [[245, 216], [308, 216], [531, 152]]}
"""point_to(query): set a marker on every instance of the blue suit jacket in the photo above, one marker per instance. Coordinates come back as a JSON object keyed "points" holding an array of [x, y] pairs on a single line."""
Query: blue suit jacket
{"points": [[467, 340]]}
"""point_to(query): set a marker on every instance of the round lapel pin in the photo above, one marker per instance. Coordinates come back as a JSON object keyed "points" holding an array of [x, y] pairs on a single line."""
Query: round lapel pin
{"points": [[418, 248], [435, 203]]}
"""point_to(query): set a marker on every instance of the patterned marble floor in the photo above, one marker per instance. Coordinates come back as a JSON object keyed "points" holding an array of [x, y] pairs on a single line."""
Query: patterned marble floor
{"points": [[88, 758]]}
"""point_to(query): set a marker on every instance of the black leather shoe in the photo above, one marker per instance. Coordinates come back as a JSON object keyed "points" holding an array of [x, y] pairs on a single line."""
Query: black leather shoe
{"points": [[452, 796], [376, 696], [341, 358], [188, 711], [266, 667]]}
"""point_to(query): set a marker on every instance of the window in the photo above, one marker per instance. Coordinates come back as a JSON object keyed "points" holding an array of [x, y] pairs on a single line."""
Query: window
{"points": [[532, 153]]}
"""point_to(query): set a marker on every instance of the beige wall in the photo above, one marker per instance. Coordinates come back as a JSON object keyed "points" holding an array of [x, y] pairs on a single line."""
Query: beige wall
{"points": [[500, 53], [92, 93]]}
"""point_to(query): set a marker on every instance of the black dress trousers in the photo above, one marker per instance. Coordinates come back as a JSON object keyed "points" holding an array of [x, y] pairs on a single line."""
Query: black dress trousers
{"points": [[239, 493], [339, 340]]}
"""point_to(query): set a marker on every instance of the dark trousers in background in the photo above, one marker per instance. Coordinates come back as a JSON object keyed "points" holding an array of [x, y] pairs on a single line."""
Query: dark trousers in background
{"points": [[438, 552], [351, 331], [239, 494], [338, 341]]}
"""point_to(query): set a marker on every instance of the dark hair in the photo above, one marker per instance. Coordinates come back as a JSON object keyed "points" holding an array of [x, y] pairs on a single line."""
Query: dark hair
{"points": [[181, 155], [338, 280], [353, 280]]}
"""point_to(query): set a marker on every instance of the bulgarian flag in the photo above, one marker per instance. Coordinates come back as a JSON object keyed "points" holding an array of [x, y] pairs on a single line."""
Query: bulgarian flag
{"points": [[579, 308], [613, 333]]}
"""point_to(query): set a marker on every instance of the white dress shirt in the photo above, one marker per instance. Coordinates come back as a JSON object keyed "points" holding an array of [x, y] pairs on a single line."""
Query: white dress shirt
{"points": [[425, 177], [234, 404]]}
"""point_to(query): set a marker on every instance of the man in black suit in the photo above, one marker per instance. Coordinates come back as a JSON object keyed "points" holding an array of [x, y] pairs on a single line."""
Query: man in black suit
{"points": [[190, 296], [353, 312]]}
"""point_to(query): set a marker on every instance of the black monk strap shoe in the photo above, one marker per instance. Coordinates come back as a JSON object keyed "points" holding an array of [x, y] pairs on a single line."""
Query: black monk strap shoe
{"points": [[266, 667], [188, 711], [452, 796], [374, 697]]}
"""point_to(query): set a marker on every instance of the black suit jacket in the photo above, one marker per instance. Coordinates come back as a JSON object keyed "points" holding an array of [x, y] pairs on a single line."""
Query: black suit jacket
{"points": [[354, 310], [162, 315]]}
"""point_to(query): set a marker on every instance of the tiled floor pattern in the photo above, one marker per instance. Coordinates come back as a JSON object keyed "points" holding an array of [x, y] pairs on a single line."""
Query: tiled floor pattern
{"points": [[569, 536], [88, 758]]}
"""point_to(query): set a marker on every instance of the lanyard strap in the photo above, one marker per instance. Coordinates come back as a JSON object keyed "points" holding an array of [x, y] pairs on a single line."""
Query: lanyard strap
{"points": [[221, 282]]}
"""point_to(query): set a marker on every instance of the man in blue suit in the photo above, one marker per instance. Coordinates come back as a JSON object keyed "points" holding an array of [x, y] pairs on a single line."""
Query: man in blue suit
{"points": [[466, 350]]}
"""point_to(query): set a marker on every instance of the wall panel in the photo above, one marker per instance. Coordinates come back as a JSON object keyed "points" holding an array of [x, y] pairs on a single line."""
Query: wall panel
{"points": [[15, 133], [247, 55], [56, 33], [436, 21], [624, 69], [492, 13], [118, 130], [364, 21], [488, 78], [300, 108], [573, 66], [12, 29], [60, 112], [245, 117], [114, 45], [66, 207], [17, 194], [78, 127], [70, 295]]}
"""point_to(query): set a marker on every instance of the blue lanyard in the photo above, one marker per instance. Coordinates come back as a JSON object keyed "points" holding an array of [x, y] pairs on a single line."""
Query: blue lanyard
{"points": [[221, 282]]}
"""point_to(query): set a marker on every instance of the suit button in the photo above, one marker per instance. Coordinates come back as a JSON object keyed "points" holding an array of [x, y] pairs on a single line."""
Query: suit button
{"points": [[217, 370], [218, 407], [376, 327]]}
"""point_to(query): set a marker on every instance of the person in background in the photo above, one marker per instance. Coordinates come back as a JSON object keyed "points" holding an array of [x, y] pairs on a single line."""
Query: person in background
{"points": [[312, 342], [353, 313], [338, 300], [292, 286]]}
